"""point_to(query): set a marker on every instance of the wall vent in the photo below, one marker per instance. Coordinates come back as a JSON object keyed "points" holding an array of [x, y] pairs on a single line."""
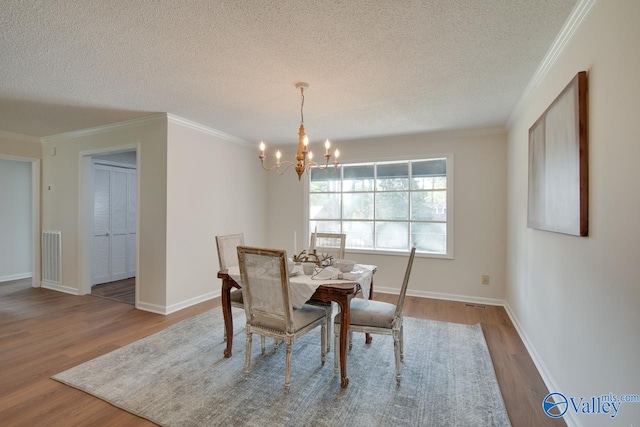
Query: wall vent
{"points": [[475, 305], [52, 257]]}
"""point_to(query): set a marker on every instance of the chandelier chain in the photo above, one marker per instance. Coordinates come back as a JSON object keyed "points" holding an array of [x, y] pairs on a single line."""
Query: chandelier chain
{"points": [[302, 106]]}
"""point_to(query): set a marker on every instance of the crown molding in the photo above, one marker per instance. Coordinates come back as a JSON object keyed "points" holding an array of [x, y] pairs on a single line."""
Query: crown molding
{"points": [[571, 25], [105, 128], [429, 135], [209, 131], [19, 136]]}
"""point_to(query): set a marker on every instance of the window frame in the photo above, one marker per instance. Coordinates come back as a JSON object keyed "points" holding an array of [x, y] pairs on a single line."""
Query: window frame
{"points": [[449, 254]]}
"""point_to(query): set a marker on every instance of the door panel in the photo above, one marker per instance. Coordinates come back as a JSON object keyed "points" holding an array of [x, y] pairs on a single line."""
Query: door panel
{"points": [[101, 272], [118, 257], [131, 255], [132, 212], [100, 261], [114, 224], [119, 178]]}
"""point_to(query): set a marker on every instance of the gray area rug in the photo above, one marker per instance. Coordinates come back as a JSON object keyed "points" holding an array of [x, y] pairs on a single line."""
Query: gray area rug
{"points": [[179, 377]]}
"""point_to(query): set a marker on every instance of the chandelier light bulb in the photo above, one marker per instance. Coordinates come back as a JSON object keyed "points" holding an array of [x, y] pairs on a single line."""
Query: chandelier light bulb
{"points": [[336, 154], [278, 154], [262, 146], [310, 155]]}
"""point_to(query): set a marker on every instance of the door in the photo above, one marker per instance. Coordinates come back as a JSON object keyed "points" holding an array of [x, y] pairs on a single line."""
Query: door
{"points": [[114, 224]]}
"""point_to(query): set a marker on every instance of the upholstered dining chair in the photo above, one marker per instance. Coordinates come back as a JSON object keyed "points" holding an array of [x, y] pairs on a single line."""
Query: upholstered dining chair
{"points": [[228, 257], [329, 243], [378, 317], [265, 287]]}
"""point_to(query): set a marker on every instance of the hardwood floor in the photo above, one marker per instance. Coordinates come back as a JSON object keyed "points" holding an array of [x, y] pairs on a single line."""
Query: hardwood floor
{"points": [[122, 290], [43, 332]]}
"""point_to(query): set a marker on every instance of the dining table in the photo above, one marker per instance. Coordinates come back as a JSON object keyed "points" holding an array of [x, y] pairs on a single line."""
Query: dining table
{"points": [[339, 288]]}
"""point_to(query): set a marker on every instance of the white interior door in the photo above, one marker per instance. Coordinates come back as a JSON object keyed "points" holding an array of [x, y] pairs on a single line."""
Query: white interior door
{"points": [[114, 224], [119, 230], [132, 213], [101, 256]]}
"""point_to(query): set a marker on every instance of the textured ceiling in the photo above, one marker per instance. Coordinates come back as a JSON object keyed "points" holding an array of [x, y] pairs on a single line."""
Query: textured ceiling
{"points": [[375, 67]]}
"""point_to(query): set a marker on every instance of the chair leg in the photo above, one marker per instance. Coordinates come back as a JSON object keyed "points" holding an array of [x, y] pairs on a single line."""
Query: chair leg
{"points": [[401, 343], [396, 347], [262, 344], [247, 358], [329, 322], [323, 343], [287, 368], [336, 350]]}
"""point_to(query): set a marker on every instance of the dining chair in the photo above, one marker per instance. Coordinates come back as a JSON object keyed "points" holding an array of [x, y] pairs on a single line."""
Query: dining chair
{"points": [[228, 257], [332, 244], [329, 243], [265, 287], [378, 317]]}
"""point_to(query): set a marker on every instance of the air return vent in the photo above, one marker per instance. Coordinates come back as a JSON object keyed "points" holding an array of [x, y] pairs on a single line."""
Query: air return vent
{"points": [[52, 257]]}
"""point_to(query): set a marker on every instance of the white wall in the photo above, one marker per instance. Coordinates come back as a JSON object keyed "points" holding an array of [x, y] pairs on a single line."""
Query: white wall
{"points": [[15, 220], [215, 186], [479, 212], [61, 204], [19, 146], [576, 298], [128, 157]]}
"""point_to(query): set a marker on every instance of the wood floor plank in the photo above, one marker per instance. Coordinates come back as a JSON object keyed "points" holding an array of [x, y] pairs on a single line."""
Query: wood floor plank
{"points": [[43, 332]]}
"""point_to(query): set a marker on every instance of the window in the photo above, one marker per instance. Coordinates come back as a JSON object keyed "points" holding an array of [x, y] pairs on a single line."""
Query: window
{"points": [[386, 206]]}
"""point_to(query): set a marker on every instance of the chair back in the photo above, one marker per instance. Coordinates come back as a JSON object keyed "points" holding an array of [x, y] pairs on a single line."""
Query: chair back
{"points": [[329, 243], [227, 253], [405, 283], [265, 288]]}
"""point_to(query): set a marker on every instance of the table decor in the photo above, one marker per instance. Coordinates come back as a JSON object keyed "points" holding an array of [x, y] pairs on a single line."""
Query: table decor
{"points": [[319, 258]]}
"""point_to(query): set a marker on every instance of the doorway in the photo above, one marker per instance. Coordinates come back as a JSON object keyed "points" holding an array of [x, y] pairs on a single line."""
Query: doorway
{"points": [[20, 220], [112, 224]]}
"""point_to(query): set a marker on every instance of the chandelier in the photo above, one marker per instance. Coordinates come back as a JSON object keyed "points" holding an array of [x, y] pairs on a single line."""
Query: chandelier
{"points": [[304, 157]]}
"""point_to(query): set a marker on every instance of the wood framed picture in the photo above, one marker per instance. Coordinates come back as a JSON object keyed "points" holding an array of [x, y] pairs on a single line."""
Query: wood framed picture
{"points": [[558, 163]]}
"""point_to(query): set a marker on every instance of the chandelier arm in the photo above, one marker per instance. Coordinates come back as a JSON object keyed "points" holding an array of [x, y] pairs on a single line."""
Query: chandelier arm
{"points": [[324, 168], [278, 167]]}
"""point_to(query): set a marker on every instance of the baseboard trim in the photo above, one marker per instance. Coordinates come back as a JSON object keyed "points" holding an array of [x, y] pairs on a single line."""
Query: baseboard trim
{"points": [[15, 277], [164, 310], [152, 308], [444, 296], [60, 288]]}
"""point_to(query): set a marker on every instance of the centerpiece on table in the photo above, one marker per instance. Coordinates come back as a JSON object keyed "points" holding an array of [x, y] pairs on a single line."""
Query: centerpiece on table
{"points": [[320, 259]]}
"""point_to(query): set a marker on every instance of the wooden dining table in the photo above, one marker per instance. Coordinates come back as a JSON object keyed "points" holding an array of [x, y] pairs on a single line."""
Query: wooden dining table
{"points": [[340, 293]]}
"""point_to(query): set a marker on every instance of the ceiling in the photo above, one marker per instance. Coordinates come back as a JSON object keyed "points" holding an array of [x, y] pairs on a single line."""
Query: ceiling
{"points": [[375, 67]]}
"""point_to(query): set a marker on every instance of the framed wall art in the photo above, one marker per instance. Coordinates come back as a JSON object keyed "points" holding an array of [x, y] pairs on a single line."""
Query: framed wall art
{"points": [[558, 163]]}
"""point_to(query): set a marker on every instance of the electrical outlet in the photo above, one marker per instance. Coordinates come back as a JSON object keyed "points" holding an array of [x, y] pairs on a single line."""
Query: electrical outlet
{"points": [[485, 279]]}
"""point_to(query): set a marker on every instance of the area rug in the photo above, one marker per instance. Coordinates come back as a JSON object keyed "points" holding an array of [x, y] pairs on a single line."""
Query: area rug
{"points": [[179, 377]]}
